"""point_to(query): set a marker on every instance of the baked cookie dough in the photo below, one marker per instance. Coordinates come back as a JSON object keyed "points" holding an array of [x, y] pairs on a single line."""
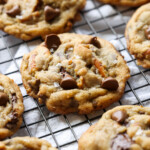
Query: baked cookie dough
{"points": [[122, 128], [138, 35], [27, 19], [74, 73], [132, 3], [11, 107], [25, 143]]}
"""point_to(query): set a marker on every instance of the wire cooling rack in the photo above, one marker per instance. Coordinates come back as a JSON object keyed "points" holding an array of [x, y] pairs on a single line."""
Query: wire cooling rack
{"points": [[63, 131]]}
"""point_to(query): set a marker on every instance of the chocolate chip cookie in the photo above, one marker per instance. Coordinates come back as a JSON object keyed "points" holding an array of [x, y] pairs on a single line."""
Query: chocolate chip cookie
{"points": [[25, 143], [27, 19], [138, 35], [122, 128], [74, 73], [11, 107], [133, 3]]}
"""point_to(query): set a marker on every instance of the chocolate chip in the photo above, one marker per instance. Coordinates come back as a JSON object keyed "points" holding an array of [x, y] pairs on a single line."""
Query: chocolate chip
{"points": [[119, 116], [2, 1], [110, 84], [52, 41], [95, 42], [14, 11], [147, 33], [3, 99], [50, 13], [121, 142], [68, 82]]}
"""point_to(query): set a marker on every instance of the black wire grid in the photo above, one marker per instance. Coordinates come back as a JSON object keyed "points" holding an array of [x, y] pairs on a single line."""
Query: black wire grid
{"points": [[63, 131]]}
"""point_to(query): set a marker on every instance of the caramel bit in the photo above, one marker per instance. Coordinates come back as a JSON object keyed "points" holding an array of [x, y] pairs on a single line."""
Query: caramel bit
{"points": [[95, 42], [119, 116], [3, 99], [100, 67], [68, 82], [52, 41], [50, 13], [147, 33], [110, 84], [14, 11]]}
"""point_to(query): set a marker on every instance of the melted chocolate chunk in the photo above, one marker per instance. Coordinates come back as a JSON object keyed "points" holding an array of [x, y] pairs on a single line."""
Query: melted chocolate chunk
{"points": [[119, 116], [74, 103], [141, 112], [3, 99], [95, 104], [121, 142], [13, 116], [95, 42], [14, 98], [34, 84], [14, 119], [52, 41], [110, 84], [63, 71], [14, 11], [50, 13]]}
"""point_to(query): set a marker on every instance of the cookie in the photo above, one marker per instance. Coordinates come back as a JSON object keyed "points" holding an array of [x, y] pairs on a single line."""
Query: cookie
{"points": [[74, 73], [27, 19], [132, 3], [11, 107], [25, 143], [122, 128], [138, 35]]}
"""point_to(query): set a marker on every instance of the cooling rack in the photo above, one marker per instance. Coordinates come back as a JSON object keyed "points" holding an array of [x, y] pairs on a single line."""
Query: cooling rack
{"points": [[63, 131]]}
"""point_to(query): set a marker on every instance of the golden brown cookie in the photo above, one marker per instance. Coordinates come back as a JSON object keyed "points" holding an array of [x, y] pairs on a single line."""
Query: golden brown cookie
{"points": [[11, 107], [132, 3], [27, 19], [122, 128], [74, 73], [25, 143], [138, 35]]}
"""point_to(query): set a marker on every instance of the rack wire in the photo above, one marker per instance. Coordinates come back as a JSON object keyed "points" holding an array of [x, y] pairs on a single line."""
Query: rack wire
{"points": [[63, 131]]}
